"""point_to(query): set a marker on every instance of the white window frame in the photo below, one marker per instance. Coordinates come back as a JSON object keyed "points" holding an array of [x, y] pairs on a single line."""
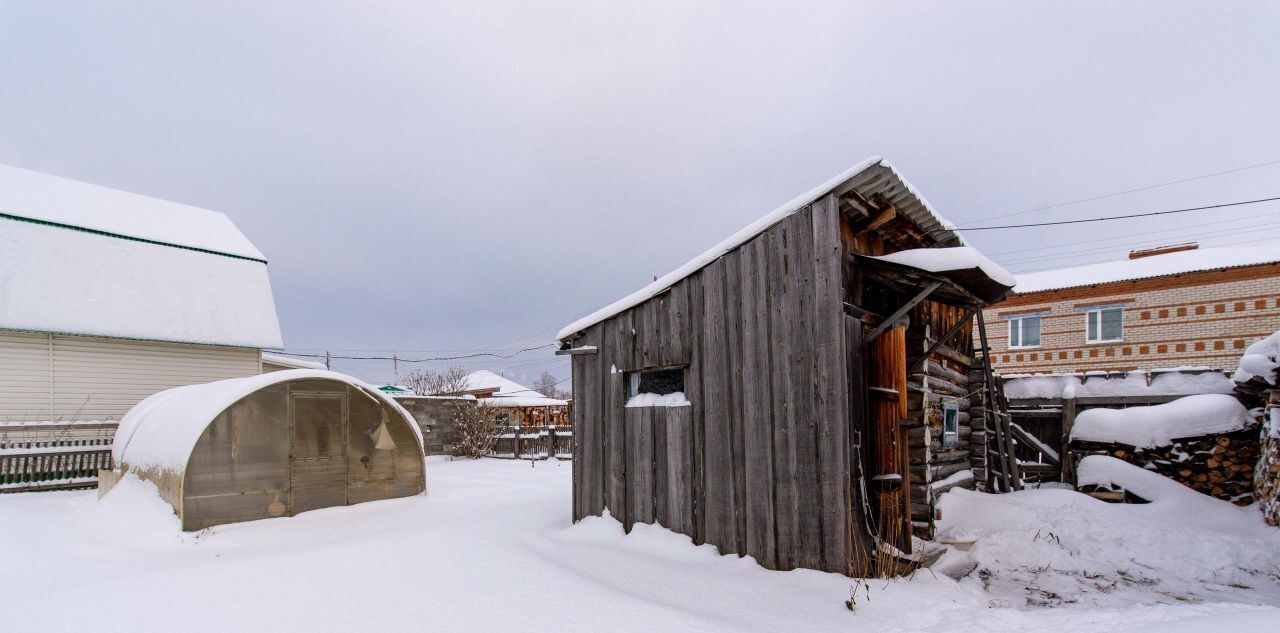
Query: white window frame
{"points": [[1019, 320], [1099, 310]]}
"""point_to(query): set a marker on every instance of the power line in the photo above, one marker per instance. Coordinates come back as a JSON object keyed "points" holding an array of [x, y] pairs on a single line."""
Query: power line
{"points": [[1117, 217], [1261, 239], [1121, 193], [1059, 245], [421, 360]]}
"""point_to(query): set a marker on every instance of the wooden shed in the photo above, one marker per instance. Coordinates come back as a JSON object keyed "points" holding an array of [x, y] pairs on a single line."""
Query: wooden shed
{"points": [[272, 445], [798, 393]]}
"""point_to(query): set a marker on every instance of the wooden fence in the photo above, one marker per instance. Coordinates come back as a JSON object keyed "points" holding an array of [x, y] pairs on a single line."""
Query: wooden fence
{"points": [[535, 443], [53, 456]]}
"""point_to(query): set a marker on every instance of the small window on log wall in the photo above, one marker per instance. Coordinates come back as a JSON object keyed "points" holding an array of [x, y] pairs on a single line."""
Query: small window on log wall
{"points": [[950, 423], [656, 381]]}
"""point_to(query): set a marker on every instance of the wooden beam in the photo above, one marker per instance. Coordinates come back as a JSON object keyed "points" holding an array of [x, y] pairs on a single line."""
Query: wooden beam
{"points": [[901, 312], [883, 218], [577, 351], [955, 329]]}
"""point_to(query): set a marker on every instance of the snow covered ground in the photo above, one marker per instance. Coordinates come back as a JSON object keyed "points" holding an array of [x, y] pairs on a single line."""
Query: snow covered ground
{"points": [[490, 548]]}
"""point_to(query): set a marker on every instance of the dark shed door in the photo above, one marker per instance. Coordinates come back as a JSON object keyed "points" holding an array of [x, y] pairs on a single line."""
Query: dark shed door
{"points": [[318, 452]]}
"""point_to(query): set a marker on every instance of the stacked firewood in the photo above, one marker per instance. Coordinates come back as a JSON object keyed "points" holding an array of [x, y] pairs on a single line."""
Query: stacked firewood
{"points": [[1219, 465]]}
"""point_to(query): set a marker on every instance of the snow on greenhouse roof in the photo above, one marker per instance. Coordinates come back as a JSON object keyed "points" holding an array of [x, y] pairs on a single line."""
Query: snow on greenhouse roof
{"points": [[291, 362], [910, 203], [161, 431], [53, 199], [69, 281], [1146, 267]]}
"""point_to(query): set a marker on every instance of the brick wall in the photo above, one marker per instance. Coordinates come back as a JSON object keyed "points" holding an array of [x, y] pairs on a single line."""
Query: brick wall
{"points": [[1193, 319]]}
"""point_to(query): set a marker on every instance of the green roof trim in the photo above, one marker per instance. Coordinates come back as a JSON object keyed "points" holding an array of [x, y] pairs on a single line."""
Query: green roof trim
{"points": [[19, 218]]}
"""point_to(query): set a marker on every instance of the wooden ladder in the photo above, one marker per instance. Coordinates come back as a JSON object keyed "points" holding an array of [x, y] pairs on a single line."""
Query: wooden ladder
{"points": [[1003, 473]]}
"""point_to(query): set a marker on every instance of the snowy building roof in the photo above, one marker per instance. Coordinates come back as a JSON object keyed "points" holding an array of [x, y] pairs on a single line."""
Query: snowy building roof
{"points": [[174, 419], [508, 392], [871, 175], [1163, 265], [83, 259]]}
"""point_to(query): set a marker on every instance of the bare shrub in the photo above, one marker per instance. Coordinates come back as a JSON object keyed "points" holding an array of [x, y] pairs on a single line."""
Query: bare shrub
{"points": [[424, 382], [475, 428]]}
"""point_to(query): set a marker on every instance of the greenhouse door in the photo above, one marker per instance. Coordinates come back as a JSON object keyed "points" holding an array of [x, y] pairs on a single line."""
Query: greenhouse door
{"points": [[318, 451]]}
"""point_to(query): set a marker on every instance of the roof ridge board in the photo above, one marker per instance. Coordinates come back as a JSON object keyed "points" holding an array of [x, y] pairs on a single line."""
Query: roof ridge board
{"points": [[73, 227]]}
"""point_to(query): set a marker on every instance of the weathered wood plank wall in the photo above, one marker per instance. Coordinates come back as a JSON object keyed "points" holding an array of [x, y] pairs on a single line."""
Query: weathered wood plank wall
{"points": [[759, 464]]}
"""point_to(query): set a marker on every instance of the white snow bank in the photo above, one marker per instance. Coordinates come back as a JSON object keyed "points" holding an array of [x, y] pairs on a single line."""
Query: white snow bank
{"points": [[1260, 359], [1145, 267], [161, 431], [1061, 547], [1159, 425], [738, 239], [676, 399], [68, 281], [458, 547], [1163, 382], [31, 194], [941, 260]]}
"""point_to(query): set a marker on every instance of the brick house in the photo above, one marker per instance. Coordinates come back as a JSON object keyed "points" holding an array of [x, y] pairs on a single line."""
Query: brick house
{"points": [[1162, 307]]}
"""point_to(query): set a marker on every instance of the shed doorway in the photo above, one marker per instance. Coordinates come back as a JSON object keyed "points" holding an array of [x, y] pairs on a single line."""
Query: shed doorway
{"points": [[886, 362], [318, 450]]}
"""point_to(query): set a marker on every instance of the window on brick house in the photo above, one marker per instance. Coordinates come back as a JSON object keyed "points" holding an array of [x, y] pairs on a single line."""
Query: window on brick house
{"points": [[1104, 324], [1024, 331]]}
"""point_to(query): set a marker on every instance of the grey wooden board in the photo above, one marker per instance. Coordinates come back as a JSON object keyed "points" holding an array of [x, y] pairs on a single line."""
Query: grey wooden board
{"points": [[658, 429], [679, 463], [733, 314], [718, 474], [757, 412], [639, 423], [831, 400], [780, 294], [804, 439]]}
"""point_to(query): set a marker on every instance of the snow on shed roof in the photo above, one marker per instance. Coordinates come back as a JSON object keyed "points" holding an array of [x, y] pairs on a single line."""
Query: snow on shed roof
{"points": [[53, 199], [161, 431], [1146, 267], [1161, 424], [872, 175]]}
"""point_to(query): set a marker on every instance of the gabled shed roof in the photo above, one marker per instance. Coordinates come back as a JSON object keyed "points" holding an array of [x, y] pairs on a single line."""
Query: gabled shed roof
{"points": [[871, 178]]}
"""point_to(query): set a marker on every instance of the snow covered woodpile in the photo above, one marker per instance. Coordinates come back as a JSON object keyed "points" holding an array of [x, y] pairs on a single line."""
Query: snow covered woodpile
{"points": [[1258, 383], [821, 356], [271, 445], [1206, 442]]}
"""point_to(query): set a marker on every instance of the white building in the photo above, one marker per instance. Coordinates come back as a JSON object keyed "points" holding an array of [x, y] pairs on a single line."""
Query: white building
{"points": [[107, 297]]}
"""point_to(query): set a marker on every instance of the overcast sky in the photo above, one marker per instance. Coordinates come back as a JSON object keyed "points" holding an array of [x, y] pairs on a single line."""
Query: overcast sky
{"points": [[431, 177]]}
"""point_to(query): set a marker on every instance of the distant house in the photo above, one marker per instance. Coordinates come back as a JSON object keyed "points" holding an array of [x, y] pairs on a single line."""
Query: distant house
{"points": [[519, 405], [107, 297], [1162, 307]]}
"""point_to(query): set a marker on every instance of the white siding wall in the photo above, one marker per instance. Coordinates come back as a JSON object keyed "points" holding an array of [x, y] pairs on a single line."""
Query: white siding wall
{"points": [[24, 376], [101, 378]]}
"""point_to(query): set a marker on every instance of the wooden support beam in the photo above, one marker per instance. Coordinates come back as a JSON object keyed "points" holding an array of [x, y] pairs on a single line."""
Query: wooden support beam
{"points": [[883, 218], [933, 347], [577, 351], [901, 312]]}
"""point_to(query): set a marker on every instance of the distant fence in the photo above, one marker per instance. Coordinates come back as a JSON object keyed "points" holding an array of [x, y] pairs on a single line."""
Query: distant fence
{"points": [[542, 442], [53, 456]]}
